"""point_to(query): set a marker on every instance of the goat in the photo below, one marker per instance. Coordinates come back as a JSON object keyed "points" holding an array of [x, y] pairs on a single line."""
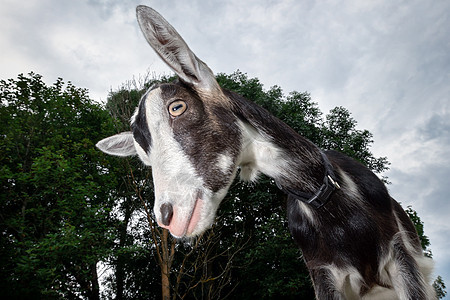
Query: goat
{"points": [[357, 241]]}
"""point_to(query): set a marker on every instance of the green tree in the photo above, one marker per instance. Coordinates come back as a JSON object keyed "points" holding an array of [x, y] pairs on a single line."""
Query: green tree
{"points": [[249, 253], [66, 208], [439, 287], [54, 190]]}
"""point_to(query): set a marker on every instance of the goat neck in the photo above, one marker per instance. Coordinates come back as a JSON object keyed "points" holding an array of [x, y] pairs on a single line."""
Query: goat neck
{"points": [[271, 147]]}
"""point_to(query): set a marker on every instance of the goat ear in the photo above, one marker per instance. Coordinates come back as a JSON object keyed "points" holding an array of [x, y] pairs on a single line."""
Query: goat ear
{"points": [[121, 144], [171, 47]]}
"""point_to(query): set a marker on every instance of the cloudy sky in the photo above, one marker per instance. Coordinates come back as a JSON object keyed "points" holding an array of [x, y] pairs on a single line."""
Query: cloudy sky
{"points": [[387, 61]]}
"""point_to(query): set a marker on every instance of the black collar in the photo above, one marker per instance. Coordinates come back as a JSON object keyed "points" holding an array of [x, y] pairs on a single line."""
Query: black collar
{"points": [[322, 195]]}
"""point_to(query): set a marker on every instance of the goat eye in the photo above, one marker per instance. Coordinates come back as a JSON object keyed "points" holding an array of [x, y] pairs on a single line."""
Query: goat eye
{"points": [[177, 108]]}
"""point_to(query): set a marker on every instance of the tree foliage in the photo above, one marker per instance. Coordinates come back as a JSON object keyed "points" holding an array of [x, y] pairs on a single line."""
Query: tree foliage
{"points": [[54, 196], [72, 217]]}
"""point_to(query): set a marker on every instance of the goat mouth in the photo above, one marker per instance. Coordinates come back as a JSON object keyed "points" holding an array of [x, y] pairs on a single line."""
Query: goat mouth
{"points": [[186, 226], [195, 215]]}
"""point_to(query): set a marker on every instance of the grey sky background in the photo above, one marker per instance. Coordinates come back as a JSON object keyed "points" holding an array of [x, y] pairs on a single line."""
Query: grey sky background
{"points": [[388, 62]]}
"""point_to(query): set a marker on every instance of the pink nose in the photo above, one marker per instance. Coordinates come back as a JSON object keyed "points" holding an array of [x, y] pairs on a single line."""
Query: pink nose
{"points": [[166, 213]]}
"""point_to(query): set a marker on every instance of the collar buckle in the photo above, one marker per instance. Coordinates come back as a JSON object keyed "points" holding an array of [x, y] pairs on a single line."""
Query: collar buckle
{"points": [[323, 194], [334, 182]]}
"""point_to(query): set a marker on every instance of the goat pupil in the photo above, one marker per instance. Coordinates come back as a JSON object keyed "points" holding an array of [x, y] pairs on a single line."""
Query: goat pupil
{"points": [[177, 107]]}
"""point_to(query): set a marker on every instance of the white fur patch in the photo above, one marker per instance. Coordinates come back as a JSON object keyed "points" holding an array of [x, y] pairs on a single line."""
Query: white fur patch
{"points": [[224, 162], [390, 272], [142, 154], [348, 281], [308, 211], [380, 293], [259, 155], [349, 186]]}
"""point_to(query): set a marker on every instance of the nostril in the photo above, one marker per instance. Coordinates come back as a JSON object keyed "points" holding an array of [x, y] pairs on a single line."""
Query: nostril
{"points": [[166, 213]]}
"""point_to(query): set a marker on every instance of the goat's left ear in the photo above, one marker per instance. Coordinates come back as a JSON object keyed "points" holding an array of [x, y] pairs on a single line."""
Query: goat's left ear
{"points": [[171, 47], [121, 144]]}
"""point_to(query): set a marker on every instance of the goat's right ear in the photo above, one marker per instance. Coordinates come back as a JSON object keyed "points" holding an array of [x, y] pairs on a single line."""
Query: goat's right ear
{"points": [[171, 47], [121, 144]]}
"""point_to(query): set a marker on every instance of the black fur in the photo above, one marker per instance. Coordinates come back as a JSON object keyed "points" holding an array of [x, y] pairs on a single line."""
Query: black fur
{"points": [[139, 127], [355, 231]]}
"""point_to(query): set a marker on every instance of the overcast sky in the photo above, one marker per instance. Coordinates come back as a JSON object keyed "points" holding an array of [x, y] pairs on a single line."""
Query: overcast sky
{"points": [[386, 61]]}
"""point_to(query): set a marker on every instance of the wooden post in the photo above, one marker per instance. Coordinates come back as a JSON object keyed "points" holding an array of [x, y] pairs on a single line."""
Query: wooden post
{"points": [[165, 265]]}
